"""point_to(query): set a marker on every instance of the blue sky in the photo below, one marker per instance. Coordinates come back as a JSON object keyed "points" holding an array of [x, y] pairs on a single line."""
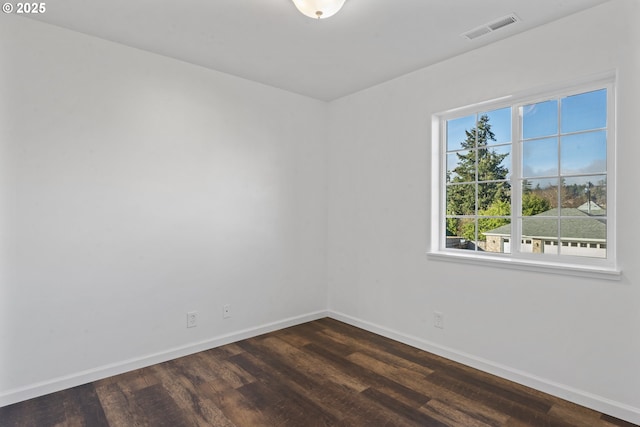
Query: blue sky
{"points": [[582, 153]]}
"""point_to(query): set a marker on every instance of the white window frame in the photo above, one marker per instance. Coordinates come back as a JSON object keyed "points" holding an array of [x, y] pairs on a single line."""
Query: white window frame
{"points": [[563, 264]]}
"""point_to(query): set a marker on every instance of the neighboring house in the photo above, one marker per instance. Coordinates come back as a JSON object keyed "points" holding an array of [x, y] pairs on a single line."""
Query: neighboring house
{"points": [[583, 233]]}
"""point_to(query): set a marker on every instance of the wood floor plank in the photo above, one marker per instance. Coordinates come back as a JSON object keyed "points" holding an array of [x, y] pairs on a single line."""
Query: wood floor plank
{"points": [[502, 401], [330, 398], [367, 348], [393, 388], [404, 410], [160, 409], [575, 414], [119, 409], [283, 382], [290, 336], [320, 373], [336, 391], [41, 411], [223, 369], [467, 404], [408, 378], [312, 365], [185, 394], [449, 415], [133, 380], [609, 420], [342, 349], [224, 351], [284, 407], [463, 373], [239, 410], [82, 403]]}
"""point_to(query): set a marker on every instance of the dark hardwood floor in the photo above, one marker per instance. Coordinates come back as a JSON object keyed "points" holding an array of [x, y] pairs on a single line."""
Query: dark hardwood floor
{"points": [[321, 373]]}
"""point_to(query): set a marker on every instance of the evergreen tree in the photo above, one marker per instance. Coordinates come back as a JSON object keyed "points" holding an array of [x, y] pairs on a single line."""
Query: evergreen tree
{"points": [[478, 164]]}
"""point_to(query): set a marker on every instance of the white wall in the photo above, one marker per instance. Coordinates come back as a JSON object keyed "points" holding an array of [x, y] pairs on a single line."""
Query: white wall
{"points": [[135, 188], [574, 337]]}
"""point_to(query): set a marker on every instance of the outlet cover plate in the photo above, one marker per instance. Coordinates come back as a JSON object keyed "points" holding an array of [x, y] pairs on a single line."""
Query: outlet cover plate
{"points": [[192, 319], [438, 320]]}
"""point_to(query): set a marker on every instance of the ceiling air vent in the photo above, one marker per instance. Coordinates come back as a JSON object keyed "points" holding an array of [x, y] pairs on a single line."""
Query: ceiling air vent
{"points": [[490, 27], [503, 22]]}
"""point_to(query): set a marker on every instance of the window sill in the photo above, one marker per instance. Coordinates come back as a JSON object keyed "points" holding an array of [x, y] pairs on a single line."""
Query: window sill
{"points": [[597, 272]]}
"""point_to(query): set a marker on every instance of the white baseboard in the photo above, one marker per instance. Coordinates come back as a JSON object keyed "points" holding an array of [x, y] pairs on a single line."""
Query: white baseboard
{"points": [[84, 377], [580, 397]]}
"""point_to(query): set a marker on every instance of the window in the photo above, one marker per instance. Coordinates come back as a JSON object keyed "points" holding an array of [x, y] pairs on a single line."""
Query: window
{"points": [[530, 179]]}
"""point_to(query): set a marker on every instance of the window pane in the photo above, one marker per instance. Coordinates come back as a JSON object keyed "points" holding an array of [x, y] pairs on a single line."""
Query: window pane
{"points": [[452, 226], [540, 119], [461, 199], [456, 131], [536, 231], [494, 163], [500, 125], [577, 191], [468, 234], [452, 163], [539, 196], [583, 153], [585, 111], [461, 233], [495, 198], [495, 234], [540, 157], [584, 237]]}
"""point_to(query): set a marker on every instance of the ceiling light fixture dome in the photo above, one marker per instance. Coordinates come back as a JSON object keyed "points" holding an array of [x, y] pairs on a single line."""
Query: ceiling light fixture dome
{"points": [[319, 9]]}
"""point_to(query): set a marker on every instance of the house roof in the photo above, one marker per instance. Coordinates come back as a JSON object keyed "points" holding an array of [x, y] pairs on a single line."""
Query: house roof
{"points": [[592, 208], [575, 224]]}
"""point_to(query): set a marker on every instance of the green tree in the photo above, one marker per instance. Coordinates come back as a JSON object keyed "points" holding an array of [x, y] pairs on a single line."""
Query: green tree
{"points": [[477, 170], [532, 204], [499, 208]]}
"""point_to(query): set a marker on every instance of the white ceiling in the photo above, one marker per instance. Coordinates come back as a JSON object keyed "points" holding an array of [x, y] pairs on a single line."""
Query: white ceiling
{"points": [[269, 41]]}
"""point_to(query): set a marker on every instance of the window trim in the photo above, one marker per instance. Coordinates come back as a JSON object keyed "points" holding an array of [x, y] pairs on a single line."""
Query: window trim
{"points": [[561, 264]]}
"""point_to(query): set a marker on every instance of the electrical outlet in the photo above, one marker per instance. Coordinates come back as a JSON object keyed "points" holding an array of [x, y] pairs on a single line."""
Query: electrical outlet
{"points": [[226, 311], [192, 319], [438, 319]]}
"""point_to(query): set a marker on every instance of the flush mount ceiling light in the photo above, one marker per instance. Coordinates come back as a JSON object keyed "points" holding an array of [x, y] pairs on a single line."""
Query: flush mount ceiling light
{"points": [[319, 9]]}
